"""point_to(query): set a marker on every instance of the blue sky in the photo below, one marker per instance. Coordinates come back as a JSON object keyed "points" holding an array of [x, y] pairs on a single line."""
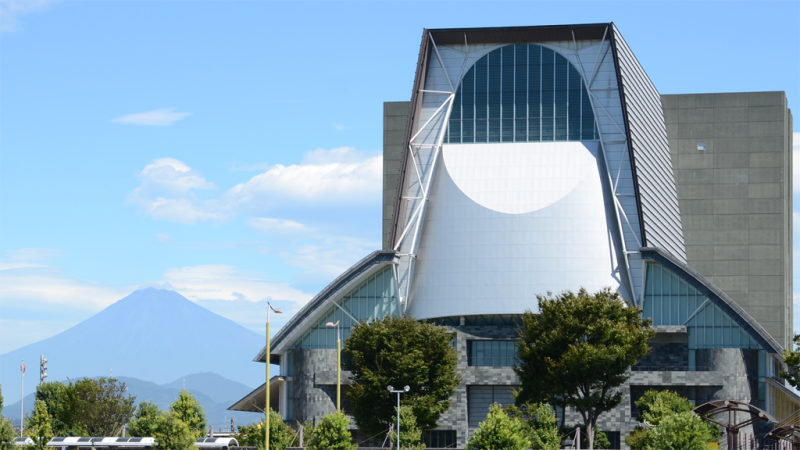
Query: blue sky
{"points": [[231, 150]]}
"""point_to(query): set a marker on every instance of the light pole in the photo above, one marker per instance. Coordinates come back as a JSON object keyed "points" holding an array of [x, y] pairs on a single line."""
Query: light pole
{"points": [[398, 392], [266, 406], [338, 365], [22, 399]]}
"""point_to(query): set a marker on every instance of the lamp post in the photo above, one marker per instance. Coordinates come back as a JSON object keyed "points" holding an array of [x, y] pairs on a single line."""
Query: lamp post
{"points": [[398, 392], [266, 356], [338, 365]]}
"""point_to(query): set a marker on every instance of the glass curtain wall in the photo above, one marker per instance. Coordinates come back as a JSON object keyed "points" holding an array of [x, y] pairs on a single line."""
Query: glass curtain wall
{"points": [[521, 93], [670, 300], [375, 298]]}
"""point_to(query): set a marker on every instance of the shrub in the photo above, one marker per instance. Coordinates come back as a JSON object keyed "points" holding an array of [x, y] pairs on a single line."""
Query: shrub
{"points": [[332, 433], [498, 432]]}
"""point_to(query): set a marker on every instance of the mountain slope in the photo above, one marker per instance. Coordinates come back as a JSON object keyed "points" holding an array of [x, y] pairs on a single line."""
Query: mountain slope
{"points": [[152, 334], [217, 387]]}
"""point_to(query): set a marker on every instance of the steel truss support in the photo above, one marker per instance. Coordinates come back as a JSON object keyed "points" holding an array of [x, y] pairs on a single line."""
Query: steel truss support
{"points": [[613, 182]]}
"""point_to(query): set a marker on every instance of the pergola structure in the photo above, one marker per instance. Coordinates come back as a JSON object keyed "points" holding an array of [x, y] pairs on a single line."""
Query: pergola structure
{"points": [[734, 410], [790, 433]]}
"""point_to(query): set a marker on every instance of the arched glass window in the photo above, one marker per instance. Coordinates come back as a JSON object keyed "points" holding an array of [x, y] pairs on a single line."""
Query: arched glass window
{"points": [[521, 93]]}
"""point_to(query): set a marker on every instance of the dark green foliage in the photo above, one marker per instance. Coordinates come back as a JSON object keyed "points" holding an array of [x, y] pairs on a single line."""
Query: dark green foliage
{"points": [[332, 433], [6, 434], [252, 435], [792, 359], [146, 420], [662, 414], [499, 432], [6, 429], [174, 434], [87, 407], [191, 412], [38, 426], [577, 351], [410, 435], [400, 352], [540, 424]]}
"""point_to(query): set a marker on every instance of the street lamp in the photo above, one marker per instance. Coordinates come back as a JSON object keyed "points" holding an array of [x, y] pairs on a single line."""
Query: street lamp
{"points": [[338, 365], [266, 407], [398, 392]]}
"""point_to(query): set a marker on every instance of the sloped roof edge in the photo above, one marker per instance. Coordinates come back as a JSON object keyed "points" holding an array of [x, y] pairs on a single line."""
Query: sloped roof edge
{"points": [[321, 299], [716, 295]]}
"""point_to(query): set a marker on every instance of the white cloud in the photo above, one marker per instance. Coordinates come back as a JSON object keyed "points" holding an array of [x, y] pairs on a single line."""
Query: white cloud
{"points": [[163, 238], [11, 10], [270, 226], [339, 176], [222, 282], [340, 126], [158, 117], [796, 162], [167, 193]]}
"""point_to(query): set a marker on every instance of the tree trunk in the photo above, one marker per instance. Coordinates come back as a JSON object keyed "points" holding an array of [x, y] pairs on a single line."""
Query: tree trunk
{"points": [[590, 433]]}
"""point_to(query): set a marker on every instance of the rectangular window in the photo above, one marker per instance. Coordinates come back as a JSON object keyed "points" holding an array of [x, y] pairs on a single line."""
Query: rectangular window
{"points": [[439, 438], [495, 88], [481, 99], [480, 398], [491, 353]]}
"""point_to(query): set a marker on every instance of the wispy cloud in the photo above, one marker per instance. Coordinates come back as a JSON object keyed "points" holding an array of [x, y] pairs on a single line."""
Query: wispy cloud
{"points": [[11, 10], [340, 126], [158, 117], [271, 226], [163, 238]]}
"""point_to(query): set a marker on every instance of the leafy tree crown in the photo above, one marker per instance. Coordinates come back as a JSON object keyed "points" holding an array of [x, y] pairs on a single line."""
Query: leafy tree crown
{"points": [[400, 351]]}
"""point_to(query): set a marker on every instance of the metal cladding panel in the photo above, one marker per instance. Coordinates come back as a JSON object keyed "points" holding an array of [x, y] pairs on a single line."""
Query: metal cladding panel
{"points": [[508, 221], [652, 164]]}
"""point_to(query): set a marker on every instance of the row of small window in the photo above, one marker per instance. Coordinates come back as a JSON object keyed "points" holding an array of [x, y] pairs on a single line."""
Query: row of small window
{"points": [[494, 353], [521, 93]]}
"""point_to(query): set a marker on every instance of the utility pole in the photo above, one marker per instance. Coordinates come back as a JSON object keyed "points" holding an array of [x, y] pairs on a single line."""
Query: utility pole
{"points": [[22, 399], [42, 369]]}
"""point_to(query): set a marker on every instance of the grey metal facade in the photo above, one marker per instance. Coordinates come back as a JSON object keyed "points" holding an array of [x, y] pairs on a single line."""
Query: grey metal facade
{"points": [[736, 197], [395, 120], [647, 136]]}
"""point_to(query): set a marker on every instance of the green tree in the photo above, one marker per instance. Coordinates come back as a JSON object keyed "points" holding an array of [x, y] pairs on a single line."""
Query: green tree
{"points": [[499, 432], [332, 433], [97, 407], [56, 397], [682, 431], [252, 435], [38, 426], [410, 434], [600, 438], [792, 360], [576, 352], [191, 412], [6, 433], [174, 434], [540, 424], [146, 420], [399, 351], [654, 407]]}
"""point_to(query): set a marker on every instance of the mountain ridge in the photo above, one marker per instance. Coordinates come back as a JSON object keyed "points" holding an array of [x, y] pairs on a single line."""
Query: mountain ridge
{"points": [[151, 334]]}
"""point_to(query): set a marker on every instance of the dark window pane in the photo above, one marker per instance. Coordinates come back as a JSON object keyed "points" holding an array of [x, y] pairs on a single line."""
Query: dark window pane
{"points": [[548, 126], [561, 86], [481, 98], [561, 129], [521, 91], [454, 128], [495, 85], [521, 130], [548, 84], [507, 84], [468, 107], [494, 130]]}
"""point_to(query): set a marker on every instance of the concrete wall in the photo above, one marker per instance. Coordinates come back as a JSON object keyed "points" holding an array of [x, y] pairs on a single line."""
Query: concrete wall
{"points": [[736, 197], [395, 116]]}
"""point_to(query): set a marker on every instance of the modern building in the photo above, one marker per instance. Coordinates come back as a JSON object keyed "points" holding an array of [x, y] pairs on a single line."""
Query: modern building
{"points": [[540, 159]]}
